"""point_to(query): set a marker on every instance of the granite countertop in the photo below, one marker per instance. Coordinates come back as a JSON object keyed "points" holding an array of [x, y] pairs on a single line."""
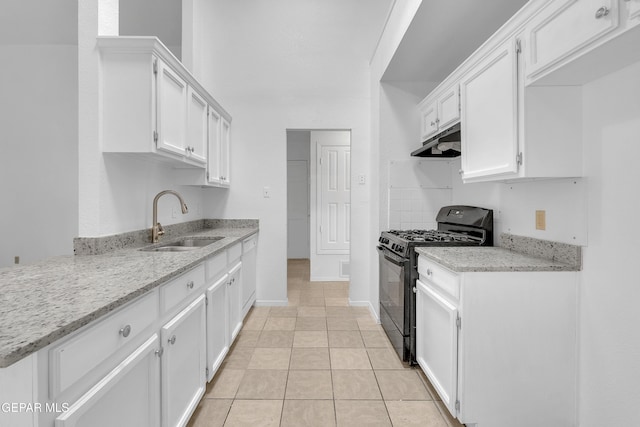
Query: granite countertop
{"points": [[491, 258], [45, 301]]}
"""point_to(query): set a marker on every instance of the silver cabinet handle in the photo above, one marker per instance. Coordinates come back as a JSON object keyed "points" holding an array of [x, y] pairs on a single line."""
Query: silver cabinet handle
{"points": [[460, 172], [172, 340], [433, 124], [429, 272], [190, 284], [125, 331], [415, 290], [602, 12]]}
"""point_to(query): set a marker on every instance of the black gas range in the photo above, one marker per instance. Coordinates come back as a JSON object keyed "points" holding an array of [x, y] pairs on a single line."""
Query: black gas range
{"points": [[457, 226]]}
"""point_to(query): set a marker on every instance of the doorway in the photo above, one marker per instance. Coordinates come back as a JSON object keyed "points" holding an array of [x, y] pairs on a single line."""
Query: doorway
{"points": [[318, 202]]}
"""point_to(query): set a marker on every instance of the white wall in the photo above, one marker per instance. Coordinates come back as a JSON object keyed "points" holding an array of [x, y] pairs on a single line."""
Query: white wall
{"points": [[38, 151], [274, 83], [610, 291], [38, 124]]}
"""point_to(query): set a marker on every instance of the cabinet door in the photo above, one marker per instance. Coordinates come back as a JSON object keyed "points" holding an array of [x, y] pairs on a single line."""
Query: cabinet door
{"points": [[217, 325], [235, 301], [183, 363], [449, 108], [128, 396], [428, 120], [490, 115], [437, 342], [565, 27], [249, 254], [225, 152], [215, 131], [171, 110], [196, 148]]}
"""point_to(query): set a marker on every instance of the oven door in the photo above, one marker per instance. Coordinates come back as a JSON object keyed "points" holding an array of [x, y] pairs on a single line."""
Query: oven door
{"points": [[395, 315]]}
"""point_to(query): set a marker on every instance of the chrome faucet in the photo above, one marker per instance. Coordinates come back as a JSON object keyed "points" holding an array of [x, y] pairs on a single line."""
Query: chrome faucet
{"points": [[156, 228]]}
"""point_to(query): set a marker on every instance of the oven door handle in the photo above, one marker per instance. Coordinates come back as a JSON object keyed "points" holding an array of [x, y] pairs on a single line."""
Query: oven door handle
{"points": [[391, 257]]}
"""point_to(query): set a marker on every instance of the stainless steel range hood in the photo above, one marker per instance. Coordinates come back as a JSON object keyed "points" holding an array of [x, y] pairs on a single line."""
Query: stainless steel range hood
{"points": [[443, 144]]}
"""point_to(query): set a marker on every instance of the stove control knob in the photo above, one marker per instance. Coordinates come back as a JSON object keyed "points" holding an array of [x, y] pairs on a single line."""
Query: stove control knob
{"points": [[385, 240], [400, 248]]}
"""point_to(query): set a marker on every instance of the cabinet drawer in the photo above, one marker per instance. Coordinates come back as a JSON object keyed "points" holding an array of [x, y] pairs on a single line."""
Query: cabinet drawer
{"points": [[216, 265], [234, 253], [445, 279], [74, 358], [178, 289]]}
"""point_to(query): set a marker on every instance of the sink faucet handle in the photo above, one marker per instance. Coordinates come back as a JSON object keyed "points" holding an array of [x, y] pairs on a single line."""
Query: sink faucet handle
{"points": [[160, 230]]}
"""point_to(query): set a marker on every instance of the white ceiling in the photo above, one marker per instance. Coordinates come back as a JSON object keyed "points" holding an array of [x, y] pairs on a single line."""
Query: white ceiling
{"points": [[443, 34]]}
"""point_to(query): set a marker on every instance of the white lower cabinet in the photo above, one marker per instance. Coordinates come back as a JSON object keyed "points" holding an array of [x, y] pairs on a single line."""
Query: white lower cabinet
{"points": [[128, 396], [217, 325], [249, 258], [235, 300], [110, 374], [499, 347], [437, 348], [183, 363]]}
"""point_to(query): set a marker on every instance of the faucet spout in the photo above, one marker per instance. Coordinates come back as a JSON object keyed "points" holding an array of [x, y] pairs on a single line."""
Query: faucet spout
{"points": [[156, 228]]}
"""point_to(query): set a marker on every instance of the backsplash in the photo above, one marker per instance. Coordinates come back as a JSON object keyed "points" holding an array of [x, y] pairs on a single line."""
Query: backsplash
{"points": [[101, 245], [556, 251], [416, 208]]}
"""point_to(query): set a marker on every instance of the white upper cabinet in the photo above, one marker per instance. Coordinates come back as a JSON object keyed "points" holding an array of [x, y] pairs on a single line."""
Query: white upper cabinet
{"points": [[225, 152], [439, 111], [490, 115], [152, 105], [171, 110], [215, 132], [566, 27], [197, 129], [572, 42]]}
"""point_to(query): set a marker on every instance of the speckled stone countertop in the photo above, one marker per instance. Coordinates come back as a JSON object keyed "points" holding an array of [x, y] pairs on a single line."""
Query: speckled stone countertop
{"points": [[514, 256], [45, 301]]}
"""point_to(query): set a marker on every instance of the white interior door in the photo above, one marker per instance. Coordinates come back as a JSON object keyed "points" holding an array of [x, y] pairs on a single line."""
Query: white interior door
{"points": [[297, 209], [334, 192], [330, 204]]}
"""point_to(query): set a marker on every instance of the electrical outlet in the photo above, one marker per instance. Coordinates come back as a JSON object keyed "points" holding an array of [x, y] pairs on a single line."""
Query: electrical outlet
{"points": [[361, 179], [541, 220], [16, 259], [266, 192]]}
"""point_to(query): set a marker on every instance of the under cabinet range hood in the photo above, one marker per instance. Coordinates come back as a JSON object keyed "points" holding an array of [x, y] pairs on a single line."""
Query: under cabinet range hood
{"points": [[443, 144]]}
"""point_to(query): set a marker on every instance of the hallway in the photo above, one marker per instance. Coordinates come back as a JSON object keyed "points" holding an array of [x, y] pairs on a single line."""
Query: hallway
{"points": [[317, 362]]}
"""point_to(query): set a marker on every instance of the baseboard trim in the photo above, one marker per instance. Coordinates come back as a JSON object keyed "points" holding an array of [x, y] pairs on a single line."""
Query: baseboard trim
{"points": [[271, 303], [365, 304], [328, 279]]}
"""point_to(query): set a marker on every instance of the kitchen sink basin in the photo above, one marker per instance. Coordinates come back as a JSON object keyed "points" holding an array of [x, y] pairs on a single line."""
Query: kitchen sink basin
{"points": [[183, 244]]}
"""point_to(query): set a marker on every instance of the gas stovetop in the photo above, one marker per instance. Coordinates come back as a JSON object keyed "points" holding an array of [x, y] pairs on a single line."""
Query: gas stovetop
{"points": [[434, 236], [457, 226]]}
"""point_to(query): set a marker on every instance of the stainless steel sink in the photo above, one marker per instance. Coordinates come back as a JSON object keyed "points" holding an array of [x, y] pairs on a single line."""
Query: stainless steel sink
{"points": [[182, 245]]}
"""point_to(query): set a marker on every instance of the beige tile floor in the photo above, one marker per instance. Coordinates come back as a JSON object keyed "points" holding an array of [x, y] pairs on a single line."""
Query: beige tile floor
{"points": [[317, 362]]}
